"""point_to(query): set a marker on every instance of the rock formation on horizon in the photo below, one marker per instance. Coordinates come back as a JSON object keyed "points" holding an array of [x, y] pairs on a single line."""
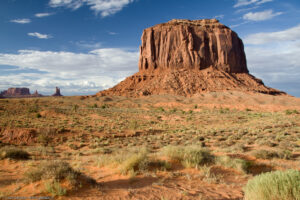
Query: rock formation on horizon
{"points": [[57, 92], [18, 93], [186, 57]]}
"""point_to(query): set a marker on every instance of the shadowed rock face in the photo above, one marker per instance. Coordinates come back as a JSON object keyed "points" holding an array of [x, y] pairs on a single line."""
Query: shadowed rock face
{"points": [[57, 92], [197, 44], [184, 57]]}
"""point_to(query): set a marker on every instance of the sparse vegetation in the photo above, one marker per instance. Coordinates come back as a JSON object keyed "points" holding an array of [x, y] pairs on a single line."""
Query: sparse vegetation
{"points": [[290, 112], [152, 141]]}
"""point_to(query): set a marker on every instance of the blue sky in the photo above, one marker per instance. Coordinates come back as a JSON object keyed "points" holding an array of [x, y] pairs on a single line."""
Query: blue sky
{"points": [[83, 46]]}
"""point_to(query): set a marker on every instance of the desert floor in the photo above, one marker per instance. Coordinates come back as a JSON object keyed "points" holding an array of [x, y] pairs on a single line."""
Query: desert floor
{"points": [[145, 148]]}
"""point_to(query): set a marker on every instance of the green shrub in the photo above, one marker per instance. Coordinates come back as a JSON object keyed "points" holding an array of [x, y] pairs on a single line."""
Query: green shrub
{"points": [[161, 109], [104, 106], [238, 164], [274, 186], [13, 153], [290, 112], [189, 156]]}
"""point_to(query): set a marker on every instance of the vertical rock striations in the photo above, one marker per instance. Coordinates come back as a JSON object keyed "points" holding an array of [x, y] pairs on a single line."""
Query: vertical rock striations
{"points": [[199, 44]]}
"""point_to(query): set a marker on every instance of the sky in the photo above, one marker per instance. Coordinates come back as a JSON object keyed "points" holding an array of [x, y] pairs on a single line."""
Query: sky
{"points": [[84, 46]]}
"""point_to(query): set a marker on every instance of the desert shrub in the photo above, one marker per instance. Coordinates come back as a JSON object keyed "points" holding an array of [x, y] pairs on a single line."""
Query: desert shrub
{"points": [[33, 108], [131, 160], [209, 175], [161, 109], [290, 112], [159, 164], [265, 154], [238, 164], [43, 139], [45, 134], [52, 170], [55, 188], [13, 153], [133, 125], [104, 106], [173, 110], [189, 156], [274, 186], [135, 162], [75, 108]]}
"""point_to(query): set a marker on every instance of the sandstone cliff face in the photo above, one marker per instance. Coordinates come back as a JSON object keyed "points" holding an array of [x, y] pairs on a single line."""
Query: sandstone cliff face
{"points": [[184, 57], [195, 44]]}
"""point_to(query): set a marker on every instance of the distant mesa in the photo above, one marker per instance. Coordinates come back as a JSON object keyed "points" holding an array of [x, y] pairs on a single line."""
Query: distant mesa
{"points": [[19, 92], [24, 93], [57, 92], [187, 57]]}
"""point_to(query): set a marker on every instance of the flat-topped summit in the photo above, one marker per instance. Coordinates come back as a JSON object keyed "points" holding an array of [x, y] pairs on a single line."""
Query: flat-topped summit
{"points": [[200, 22], [186, 57]]}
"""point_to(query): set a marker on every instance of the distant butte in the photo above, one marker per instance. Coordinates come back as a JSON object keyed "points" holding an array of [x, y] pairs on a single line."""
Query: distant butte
{"points": [[57, 92], [18, 93], [187, 57]]}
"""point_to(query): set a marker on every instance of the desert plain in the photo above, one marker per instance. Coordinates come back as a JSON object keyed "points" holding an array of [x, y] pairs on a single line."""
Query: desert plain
{"points": [[155, 147]]}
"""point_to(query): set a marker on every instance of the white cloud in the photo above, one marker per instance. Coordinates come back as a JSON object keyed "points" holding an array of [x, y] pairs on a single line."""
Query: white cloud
{"points": [[88, 45], [261, 16], [219, 17], [290, 34], [236, 25], [39, 15], [39, 35], [76, 73], [21, 21], [241, 3], [274, 57], [112, 33], [104, 7]]}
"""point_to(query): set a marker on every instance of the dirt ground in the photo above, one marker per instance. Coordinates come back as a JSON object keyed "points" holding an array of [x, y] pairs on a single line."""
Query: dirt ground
{"points": [[100, 138]]}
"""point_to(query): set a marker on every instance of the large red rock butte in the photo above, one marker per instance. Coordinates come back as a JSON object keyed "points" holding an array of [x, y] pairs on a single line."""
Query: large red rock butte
{"points": [[187, 57]]}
